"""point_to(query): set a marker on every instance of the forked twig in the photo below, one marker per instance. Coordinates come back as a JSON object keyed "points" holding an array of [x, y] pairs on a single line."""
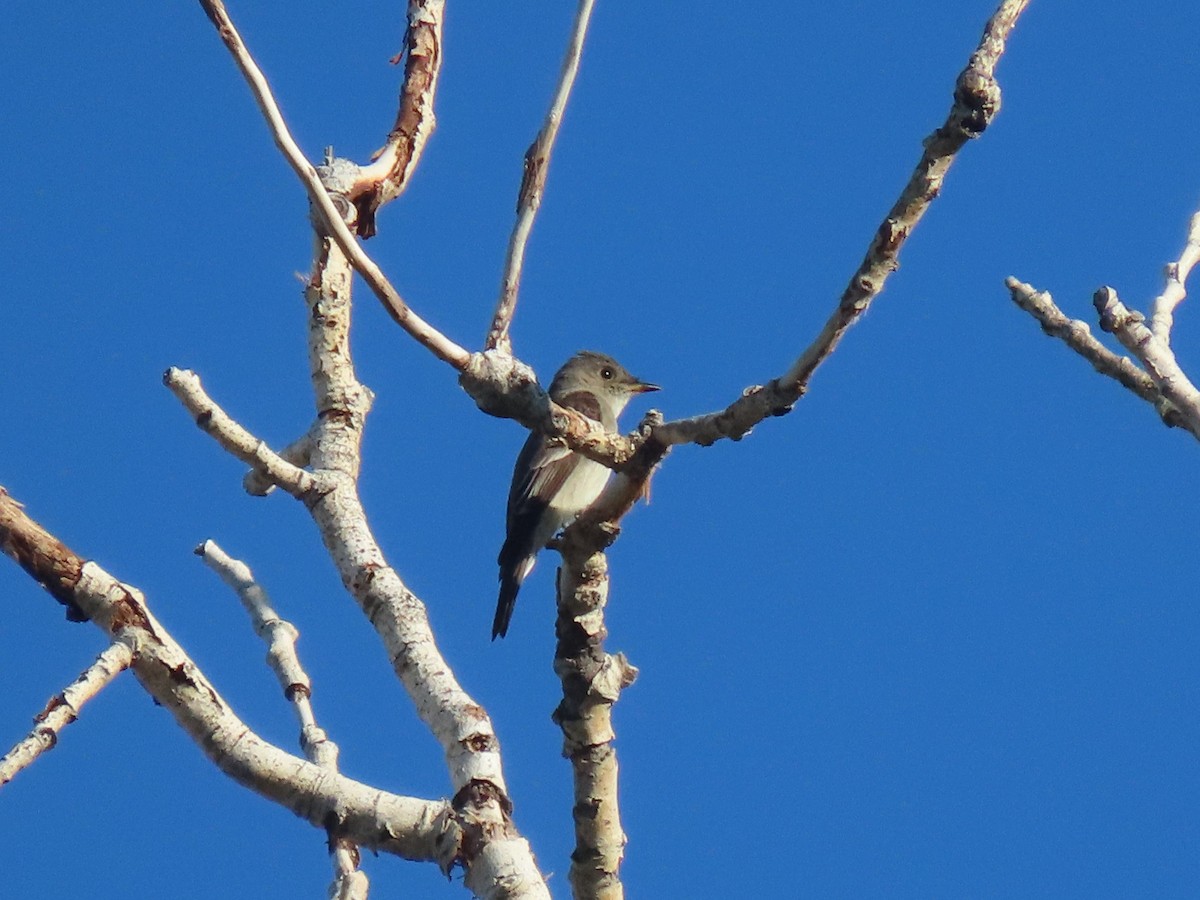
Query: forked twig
{"points": [[1160, 380]]}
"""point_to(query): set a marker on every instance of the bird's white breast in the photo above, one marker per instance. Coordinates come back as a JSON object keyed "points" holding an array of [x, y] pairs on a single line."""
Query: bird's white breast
{"points": [[580, 488]]}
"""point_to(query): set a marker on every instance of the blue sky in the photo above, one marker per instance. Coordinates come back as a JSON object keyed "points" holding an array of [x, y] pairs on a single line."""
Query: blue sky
{"points": [[932, 635]]}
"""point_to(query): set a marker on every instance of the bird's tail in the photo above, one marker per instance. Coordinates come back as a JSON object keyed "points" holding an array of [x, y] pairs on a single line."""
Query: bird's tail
{"points": [[510, 584]]}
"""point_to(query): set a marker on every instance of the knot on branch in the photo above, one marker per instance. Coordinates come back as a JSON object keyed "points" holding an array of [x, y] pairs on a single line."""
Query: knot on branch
{"points": [[448, 845], [587, 536], [504, 387], [976, 101], [1114, 315], [339, 177], [651, 420]]}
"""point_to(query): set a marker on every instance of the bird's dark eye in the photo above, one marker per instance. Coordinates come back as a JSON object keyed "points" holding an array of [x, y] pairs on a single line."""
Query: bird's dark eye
{"points": [[606, 373]]}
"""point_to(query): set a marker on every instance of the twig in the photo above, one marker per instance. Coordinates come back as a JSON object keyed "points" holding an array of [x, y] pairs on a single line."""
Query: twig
{"points": [[1078, 336], [232, 437], [1162, 318], [976, 102], [280, 637], [331, 218], [533, 185], [63, 708]]}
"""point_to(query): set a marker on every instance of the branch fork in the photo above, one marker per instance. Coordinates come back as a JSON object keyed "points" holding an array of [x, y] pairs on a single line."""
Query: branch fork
{"points": [[1156, 377]]}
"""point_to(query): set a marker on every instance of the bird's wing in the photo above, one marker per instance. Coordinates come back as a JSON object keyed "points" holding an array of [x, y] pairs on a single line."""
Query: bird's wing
{"points": [[547, 465], [546, 468]]}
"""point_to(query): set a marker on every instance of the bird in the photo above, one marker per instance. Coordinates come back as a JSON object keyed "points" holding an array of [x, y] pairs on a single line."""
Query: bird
{"points": [[551, 484]]}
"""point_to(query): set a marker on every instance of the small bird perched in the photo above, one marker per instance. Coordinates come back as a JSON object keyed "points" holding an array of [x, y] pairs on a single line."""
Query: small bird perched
{"points": [[551, 485]]}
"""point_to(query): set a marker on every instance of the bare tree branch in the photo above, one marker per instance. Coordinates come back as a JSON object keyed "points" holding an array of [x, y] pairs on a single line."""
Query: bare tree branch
{"points": [[64, 708], [533, 185], [592, 679], [505, 388], [1161, 382], [976, 102], [280, 637], [330, 216], [405, 826], [232, 437], [1078, 336]]}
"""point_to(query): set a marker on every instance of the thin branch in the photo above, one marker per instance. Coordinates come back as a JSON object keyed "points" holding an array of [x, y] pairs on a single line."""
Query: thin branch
{"points": [[592, 679], [64, 708], [327, 211], [280, 637], [976, 102], [1076, 334], [503, 387], [1163, 315], [533, 185], [406, 826], [387, 177], [1165, 388], [232, 437]]}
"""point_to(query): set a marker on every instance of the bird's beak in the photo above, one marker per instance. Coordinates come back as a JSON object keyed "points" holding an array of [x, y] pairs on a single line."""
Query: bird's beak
{"points": [[645, 387]]}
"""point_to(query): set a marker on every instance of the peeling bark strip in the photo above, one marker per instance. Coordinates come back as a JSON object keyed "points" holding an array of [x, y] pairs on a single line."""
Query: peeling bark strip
{"points": [[387, 177], [44, 557]]}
